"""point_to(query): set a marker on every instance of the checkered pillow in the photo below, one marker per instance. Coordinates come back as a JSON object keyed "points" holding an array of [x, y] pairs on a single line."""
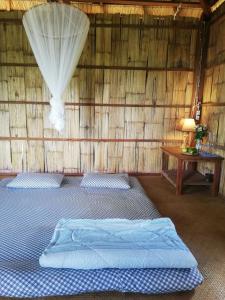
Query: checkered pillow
{"points": [[102, 180], [36, 180]]}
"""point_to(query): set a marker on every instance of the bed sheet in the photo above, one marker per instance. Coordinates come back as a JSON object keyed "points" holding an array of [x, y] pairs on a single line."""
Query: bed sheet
{"points": [[28, 219]]}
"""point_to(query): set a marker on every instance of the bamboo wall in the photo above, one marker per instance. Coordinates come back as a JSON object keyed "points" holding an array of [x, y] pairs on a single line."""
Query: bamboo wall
{"points": [[134, 79], [213, 112]]}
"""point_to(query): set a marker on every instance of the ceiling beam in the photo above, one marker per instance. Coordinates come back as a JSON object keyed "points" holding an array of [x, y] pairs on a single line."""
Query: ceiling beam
{"points": [[143, 3], [216, 4], [138, 3]]}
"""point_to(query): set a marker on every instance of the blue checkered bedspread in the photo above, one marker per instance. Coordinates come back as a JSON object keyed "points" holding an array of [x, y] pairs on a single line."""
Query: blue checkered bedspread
{"points": [[28, 219]]}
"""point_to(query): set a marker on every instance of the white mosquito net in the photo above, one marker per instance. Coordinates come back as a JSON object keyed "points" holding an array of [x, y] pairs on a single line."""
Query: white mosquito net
{"points": [[57, 34]]}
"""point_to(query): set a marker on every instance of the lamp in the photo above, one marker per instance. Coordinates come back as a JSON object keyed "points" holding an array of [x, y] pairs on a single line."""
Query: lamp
{"points": [[186, 125]]}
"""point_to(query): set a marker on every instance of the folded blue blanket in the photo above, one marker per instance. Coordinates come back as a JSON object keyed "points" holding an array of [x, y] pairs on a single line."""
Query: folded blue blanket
{"points": [[116, 243]]}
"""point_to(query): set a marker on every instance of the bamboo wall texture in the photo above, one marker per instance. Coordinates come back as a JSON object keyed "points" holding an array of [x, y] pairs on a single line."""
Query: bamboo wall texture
{"points": [[213, 112], [122, 103]]}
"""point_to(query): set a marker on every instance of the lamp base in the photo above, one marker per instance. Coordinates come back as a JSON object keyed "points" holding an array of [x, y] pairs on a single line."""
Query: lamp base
{"points": [[185, 141], [188, 140]]}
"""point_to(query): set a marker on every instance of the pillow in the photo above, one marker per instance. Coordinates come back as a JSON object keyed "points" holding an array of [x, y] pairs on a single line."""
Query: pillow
{"points": [[36, 180], [105, 180]]}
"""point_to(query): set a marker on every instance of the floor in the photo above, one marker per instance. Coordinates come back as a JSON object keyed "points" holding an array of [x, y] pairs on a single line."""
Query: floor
{"points": [[200, 221]]}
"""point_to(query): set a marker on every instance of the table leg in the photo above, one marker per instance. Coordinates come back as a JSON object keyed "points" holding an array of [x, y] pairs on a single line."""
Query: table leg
{"points": [[216, 178], [192, 166], [165, 161], [179, 179]]}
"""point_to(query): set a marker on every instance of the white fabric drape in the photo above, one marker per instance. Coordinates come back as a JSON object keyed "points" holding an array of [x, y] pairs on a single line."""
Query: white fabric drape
{"points": [[57, 34]]}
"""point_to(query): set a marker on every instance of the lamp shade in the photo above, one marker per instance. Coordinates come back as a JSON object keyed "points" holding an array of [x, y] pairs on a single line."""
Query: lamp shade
{"points": [[186, 124]]}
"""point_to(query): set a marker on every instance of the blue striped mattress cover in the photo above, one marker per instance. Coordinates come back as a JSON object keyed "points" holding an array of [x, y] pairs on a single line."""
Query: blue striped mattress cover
{"points": [[28, 219]]}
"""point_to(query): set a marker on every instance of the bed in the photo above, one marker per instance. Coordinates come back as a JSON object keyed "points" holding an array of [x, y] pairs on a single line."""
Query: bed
{"points": [[28, 219]]}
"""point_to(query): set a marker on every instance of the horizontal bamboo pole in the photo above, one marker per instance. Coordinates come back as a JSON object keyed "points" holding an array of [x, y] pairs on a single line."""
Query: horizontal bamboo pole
{"points": [[106, 67], [99, 104], [215, 64], [221, 104], [175, 24], [51, 139]]}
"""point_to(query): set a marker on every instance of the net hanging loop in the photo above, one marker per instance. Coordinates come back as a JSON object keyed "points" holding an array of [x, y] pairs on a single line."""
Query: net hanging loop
{"points": [[57, 33]]}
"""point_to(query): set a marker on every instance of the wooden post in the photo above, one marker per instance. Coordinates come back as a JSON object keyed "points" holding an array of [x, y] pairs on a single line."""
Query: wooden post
{"points": [[216, 178], [179, 179], [192, 166], [200, 64], [165, 161], [206, 7]]}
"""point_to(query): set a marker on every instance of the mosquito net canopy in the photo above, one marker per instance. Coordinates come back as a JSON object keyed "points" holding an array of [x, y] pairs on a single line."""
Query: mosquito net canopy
{"points": [[57, 34]]}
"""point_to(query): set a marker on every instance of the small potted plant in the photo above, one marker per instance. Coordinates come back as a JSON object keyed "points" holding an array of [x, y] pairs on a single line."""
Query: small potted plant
{"points": [[201, 131]]}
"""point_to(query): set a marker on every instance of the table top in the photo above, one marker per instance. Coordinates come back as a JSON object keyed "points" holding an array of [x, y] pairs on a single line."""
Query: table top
{"points": [[176, 151]]}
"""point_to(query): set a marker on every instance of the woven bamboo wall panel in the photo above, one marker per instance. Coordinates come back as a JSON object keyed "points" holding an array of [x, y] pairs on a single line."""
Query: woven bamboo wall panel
{"points": [[168, 91], [216, 49], [155, 47], [92, 122], [80, 157], [214, 92]]}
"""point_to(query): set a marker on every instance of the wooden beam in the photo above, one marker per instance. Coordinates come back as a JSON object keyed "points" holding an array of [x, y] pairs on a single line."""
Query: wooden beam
{"points": [[144, 3], [173, 4], [95, 140], [216, 4], [107, 67], [98, 104], [205, 7], [213, 2], [214, 104], [200, 63], [215, 64], [9, 174], [174, 24]]}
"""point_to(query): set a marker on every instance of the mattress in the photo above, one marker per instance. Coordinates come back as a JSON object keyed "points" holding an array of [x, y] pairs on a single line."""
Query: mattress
{"points": [[28, 219]]}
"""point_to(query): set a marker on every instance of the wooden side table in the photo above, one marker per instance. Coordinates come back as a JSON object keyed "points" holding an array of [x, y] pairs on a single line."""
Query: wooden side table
{"points": [[190, 176]]}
